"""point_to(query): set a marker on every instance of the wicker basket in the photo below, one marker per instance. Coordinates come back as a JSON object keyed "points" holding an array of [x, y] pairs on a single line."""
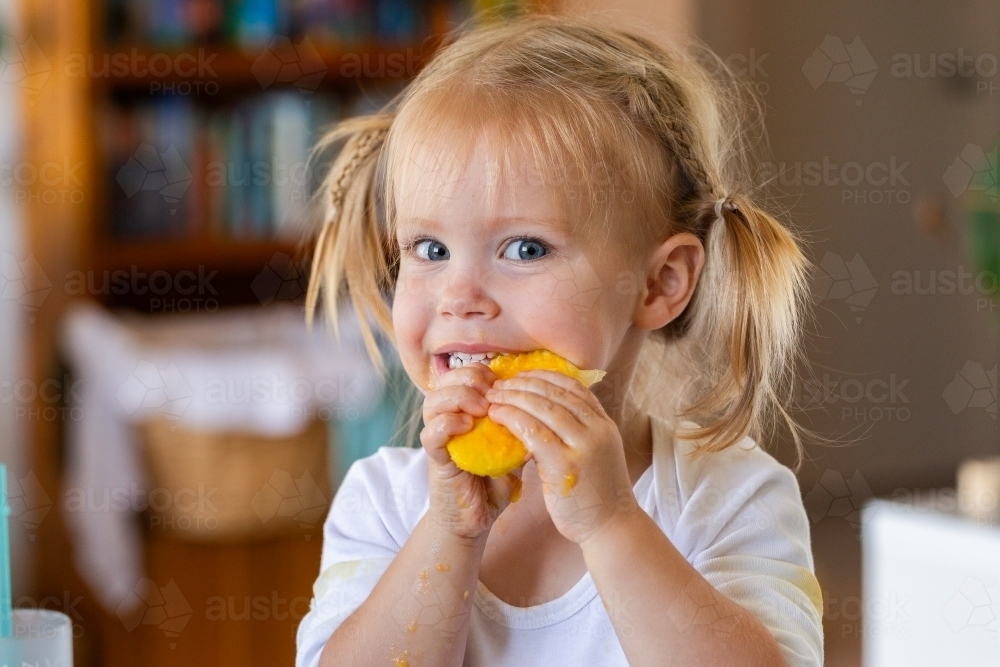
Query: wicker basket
{"points": [[212, 487]]}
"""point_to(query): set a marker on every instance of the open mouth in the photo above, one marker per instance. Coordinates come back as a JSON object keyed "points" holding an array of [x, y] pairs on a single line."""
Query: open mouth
{"points": [[452, 360], [460, 359]]}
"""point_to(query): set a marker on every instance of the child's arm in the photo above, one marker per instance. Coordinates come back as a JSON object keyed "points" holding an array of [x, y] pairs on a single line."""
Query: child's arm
{"points": [[667, 612], [419, 611], [747, 534]]}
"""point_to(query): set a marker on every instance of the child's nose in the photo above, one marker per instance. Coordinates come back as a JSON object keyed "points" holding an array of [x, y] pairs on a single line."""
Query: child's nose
{"points": [[465, 296]]}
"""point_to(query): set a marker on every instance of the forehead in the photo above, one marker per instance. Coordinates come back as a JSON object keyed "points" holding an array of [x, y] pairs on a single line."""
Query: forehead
{"points": [[483, 187], [509, 152], [485, 151]]}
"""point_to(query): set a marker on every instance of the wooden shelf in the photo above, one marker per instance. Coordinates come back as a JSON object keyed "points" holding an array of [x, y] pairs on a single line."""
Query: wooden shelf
{"points": [[219, 68], [216, 254]]}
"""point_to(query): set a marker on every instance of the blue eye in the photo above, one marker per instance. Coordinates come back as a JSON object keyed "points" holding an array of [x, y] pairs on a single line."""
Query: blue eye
{"points": [[525, 250], [435, 250]]}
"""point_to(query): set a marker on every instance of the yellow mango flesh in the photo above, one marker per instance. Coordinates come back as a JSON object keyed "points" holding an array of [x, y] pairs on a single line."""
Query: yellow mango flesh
{"points": [[490, 449]]}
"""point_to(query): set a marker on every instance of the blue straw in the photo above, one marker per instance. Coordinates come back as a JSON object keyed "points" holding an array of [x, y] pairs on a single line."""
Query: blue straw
{"points": [[6, 629]]}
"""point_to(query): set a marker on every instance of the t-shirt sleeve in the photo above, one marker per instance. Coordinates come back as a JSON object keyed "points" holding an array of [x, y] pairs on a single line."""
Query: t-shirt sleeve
{"points": [[753, 546], [367, 525]]}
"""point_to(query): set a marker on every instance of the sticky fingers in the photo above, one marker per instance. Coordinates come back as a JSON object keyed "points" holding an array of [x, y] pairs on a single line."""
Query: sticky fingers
{"points": [[454, 399], [439, 430]]}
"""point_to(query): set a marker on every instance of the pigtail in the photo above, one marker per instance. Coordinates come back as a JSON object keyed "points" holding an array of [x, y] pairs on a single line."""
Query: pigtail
{"points": [[754, 293], [351, 253]]}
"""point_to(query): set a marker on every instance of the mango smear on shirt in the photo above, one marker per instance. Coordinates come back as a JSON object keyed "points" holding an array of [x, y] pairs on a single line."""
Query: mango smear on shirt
{"points": [[491, 449]]}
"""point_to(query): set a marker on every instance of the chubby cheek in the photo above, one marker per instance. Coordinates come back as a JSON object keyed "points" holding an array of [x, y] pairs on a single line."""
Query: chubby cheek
{"points": [[572, 301], [410, 321]]}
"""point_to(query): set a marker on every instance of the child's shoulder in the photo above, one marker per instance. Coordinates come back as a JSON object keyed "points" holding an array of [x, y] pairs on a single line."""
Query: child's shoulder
{"points": [[742, 469], [391, 463], [392, 481], [705, 500]]}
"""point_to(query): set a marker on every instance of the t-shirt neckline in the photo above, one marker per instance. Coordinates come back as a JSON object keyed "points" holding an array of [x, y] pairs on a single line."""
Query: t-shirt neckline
{"points": [[582, 592]]}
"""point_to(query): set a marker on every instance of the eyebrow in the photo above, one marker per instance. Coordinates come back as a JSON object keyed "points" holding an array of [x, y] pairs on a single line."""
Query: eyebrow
{"points": [[432, 224]]}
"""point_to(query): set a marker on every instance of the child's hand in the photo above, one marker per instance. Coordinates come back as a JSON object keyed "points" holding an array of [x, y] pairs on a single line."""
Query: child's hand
{"points": [[576, 447], [464, 504]]}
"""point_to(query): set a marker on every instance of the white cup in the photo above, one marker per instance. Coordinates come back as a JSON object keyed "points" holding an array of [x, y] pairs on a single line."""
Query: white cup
{"points": [[979, 489], [41, 637]]}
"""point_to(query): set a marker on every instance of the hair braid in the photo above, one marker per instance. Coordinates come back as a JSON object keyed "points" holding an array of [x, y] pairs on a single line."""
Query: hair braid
{"points": [[350, 231], [364, 143]]}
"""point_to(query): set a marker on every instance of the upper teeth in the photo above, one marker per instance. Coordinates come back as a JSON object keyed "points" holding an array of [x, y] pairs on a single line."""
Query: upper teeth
{"points": [[460, 359]]}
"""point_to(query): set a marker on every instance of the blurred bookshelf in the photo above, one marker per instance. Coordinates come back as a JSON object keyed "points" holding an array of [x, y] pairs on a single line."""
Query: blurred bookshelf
{"points": [[150, 111], [205, 112]]}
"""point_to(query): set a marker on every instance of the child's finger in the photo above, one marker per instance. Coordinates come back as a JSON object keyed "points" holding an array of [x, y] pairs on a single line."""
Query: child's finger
{"points": [[535, 400], [544, 445], [439, 431], [455, 398], [571, 385], [478, 376]]}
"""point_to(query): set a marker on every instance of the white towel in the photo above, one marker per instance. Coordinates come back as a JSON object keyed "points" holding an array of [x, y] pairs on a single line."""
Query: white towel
{"points": [[253, 369]]}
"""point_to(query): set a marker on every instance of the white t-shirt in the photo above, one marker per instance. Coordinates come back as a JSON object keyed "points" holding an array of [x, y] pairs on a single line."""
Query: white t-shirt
{"points": [[736, 516]]}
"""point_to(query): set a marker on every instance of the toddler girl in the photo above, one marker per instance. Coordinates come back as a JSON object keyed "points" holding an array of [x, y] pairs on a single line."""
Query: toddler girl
{"points": [[547, 183]]}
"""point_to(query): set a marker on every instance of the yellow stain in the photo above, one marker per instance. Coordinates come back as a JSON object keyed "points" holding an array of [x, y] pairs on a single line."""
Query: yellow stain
{"points": [[515, 489], [569, 481], [422, 583], [442, 567]]}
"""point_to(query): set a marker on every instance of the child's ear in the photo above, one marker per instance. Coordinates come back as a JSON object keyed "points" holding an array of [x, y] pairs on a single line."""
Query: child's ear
{"points": [[672, 274]]}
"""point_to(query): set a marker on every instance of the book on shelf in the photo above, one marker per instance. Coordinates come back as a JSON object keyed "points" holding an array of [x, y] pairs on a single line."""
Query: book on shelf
{"points": [[196, 168], [253, 23], [239, 171]]}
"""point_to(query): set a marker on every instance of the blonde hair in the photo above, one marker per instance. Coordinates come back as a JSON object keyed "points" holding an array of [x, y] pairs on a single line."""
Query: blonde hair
{"points": [[651, 140]]}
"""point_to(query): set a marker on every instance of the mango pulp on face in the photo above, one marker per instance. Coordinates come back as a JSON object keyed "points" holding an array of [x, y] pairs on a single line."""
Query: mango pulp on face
{"points": [[491, 449]]}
